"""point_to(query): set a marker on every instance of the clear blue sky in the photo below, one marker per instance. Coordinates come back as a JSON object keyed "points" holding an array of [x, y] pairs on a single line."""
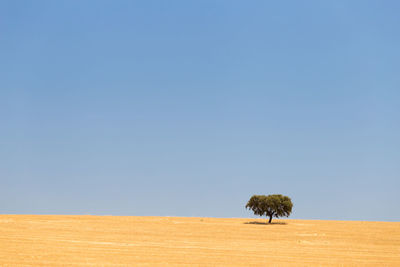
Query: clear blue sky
{"points": [[187, 108]]}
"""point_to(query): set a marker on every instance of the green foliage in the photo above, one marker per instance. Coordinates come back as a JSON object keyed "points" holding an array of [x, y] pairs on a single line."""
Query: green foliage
{"points": [[271, 205]]}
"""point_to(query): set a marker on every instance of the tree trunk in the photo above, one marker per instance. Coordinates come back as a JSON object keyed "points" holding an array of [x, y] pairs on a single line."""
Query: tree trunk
{"points": [[270, 218]]}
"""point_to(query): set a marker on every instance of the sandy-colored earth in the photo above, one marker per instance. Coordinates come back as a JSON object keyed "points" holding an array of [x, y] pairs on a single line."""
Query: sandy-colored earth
{"points": [[39, 240]]}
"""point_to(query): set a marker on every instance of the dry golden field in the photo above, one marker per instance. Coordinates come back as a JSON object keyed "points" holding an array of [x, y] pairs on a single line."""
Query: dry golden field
{"points": [[39, 240]]}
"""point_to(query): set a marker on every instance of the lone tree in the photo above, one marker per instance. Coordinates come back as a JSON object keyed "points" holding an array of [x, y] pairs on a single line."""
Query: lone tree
{"points": [[271, 206]]}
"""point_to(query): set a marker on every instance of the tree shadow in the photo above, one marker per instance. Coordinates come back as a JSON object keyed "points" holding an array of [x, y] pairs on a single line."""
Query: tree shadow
{"points": [[266, 223]]}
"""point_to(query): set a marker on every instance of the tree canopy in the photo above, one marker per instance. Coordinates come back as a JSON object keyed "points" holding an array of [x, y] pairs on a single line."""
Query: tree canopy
{"points": [[271, 205]]}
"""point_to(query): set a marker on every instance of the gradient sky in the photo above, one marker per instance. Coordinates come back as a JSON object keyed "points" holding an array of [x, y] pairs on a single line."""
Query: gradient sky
{"points": [[187, 108]]}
